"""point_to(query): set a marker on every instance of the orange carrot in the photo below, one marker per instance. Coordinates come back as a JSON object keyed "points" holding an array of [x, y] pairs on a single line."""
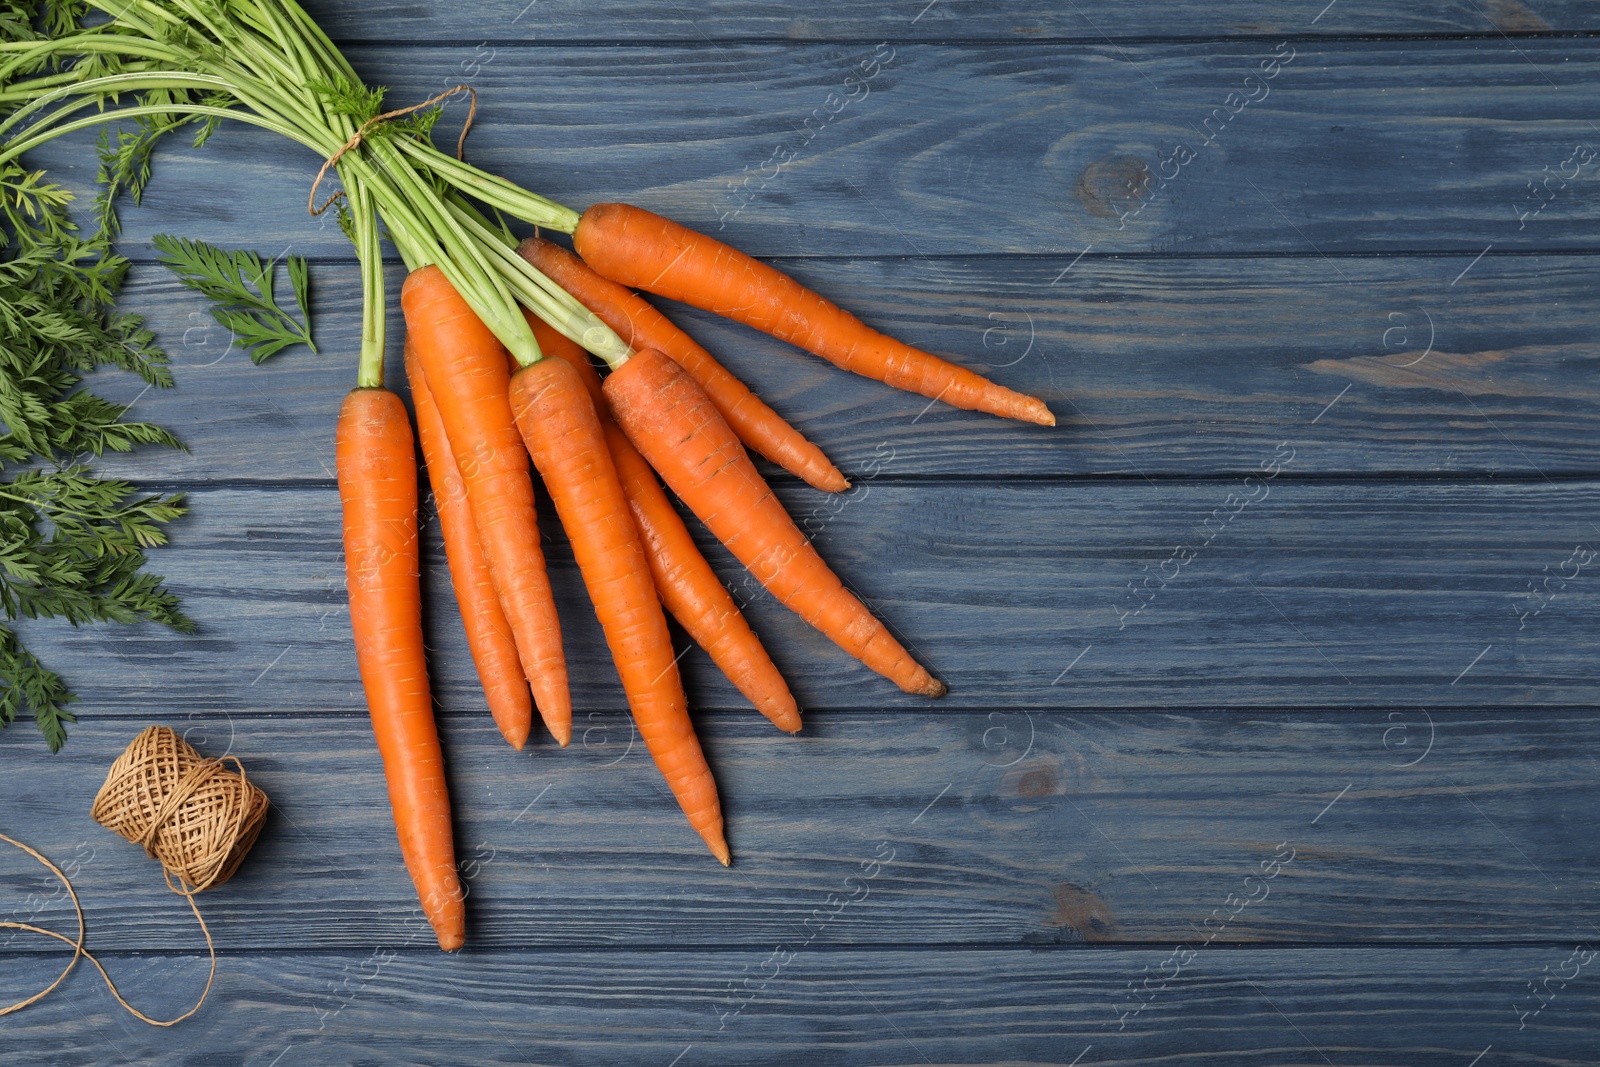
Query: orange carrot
{"points": [[562, 431], [489, 637], [686, 583], [637, 248], [378, 488], [554, 343], [692, 592], [465, 368], [670, 420], [642, 326]]}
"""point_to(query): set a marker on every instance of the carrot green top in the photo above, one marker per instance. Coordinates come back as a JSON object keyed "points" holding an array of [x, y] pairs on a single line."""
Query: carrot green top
{"points": [[164, 64]]}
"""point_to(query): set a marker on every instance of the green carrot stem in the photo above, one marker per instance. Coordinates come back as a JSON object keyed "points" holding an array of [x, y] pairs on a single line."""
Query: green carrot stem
{"points": [[116, 44], [369, 374], [494, 190], [18, 147], [293, 44], [110, 83], [32, 87], [267, 55], [544, 297], [481, 287]]}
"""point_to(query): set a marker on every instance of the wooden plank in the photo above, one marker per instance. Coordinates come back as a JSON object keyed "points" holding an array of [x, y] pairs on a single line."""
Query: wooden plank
{"points": [[1386, 677], [1154, 367], [1030, 149], [1014, 20], [1255, 592], [1253, 1008], [980, 829]]}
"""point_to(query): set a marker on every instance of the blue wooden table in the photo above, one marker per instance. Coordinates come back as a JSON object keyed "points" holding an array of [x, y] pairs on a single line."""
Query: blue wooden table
{"points": [[1270, 737]]}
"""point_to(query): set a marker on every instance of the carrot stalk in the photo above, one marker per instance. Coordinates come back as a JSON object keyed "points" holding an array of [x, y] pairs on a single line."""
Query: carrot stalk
{"points": [[642, 326], [638, 248], [378, 489], [489, 637], [671, 421], [689, 588], [466, 373], [563, 434]]}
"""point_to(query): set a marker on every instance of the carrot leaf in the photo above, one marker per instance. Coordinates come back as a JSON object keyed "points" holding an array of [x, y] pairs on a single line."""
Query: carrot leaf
{"points": [[344, 96], [240, 287], [72, 544], [26, 684]]}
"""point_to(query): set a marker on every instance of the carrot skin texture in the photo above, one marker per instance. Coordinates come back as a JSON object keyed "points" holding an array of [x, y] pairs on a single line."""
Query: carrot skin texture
{"points": [[489, 636], [554, 343], [377, 467], [562, 430], [694, 595], [466, 371], [638, 248], [689, 589], [670, 420], [638, 323]]}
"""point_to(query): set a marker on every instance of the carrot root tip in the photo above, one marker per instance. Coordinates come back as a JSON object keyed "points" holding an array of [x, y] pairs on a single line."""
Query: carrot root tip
{"points": [[719, 849], [831, 480]]}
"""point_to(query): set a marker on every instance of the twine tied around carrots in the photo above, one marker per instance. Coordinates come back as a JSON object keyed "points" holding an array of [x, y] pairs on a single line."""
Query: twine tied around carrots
{"points": [[194, 816], [378, 120]]}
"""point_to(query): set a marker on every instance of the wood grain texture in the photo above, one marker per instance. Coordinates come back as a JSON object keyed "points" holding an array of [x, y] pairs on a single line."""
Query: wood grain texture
{"points": [[980, 829], [1155, 367], [1322, 594], [1006, 20], [1427, 1008], [1164, 674], [956, 150]]}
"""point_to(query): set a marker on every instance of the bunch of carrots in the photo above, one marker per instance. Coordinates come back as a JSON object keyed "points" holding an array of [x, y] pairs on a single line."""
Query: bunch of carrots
{"points": [[499, 338]]}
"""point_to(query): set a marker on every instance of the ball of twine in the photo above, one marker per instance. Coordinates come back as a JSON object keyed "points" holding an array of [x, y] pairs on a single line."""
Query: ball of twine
{"points": [[194, 816]]}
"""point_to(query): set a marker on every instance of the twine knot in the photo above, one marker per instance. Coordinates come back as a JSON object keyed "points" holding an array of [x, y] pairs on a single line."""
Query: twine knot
{"points": [[378, 120]]}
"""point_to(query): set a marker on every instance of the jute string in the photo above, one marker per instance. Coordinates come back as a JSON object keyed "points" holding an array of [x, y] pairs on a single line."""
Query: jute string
{"points": [[361, 134], [192, 814]]}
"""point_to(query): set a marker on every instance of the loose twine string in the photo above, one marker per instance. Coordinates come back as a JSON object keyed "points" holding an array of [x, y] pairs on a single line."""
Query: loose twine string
{"points": [[192, 814], [388, 116]]}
